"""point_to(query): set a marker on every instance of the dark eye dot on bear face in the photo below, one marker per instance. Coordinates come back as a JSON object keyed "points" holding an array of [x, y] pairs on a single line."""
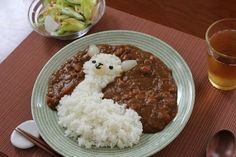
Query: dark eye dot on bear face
{"points": [[93, 61], [110, 67]]}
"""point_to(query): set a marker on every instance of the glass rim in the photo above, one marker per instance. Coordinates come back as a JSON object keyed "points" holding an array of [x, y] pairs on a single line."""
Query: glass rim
{"points": [[207, 36]]}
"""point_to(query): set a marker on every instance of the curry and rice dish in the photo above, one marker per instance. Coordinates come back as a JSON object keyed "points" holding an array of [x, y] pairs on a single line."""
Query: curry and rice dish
{"points": [[146, 92]]}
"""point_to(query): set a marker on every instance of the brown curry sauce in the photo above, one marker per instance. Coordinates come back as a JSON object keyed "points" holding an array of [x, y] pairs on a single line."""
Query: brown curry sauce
{"points": [[148, 88]]}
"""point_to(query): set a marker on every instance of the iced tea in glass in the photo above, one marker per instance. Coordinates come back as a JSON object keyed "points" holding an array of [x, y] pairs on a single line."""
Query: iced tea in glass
{"points": [[221, 40]]}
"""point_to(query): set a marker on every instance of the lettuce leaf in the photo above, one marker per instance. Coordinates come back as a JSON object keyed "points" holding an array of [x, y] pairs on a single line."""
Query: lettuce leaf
{"points": [[71, 25], [70, 12], [86, 7]]}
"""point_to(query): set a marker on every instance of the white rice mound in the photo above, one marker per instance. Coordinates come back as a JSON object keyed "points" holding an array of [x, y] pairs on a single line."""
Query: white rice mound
{"points": [[99, 123], [94, 121]]}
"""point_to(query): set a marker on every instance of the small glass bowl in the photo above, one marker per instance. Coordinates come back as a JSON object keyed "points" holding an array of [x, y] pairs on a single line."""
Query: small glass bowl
{"points": [[36, 7]]}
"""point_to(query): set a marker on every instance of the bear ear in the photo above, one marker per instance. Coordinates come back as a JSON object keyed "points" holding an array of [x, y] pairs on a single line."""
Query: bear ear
{"points": [[128, 64], [93, 50]]}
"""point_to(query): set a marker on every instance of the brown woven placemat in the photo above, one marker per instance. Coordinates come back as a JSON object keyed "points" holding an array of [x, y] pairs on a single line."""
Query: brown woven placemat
{"points": [[213, 109]]}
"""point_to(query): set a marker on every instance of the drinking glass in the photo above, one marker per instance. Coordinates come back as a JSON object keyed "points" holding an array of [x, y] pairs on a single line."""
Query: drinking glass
{"points": [[221, 41]]}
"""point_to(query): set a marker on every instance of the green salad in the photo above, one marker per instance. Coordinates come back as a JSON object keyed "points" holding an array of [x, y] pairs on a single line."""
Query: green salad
{"points": [[60, 17]]}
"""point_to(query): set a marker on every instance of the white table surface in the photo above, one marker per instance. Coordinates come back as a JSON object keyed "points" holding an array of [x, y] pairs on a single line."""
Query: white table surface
{"points": [[14, 25]]}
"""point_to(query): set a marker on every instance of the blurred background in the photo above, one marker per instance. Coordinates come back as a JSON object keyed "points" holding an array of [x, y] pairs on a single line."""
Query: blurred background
{"points": [[190, 16]]}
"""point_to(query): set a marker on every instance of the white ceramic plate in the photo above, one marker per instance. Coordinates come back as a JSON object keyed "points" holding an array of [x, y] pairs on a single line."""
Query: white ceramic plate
{"points": [[46, 119]]}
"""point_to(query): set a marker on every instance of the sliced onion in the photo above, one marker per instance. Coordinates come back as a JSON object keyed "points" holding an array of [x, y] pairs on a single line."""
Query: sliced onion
{"points": [[50, 24]]}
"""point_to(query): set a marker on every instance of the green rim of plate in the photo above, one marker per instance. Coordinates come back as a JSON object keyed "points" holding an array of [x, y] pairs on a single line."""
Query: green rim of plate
{"points": [[46, 119]]}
